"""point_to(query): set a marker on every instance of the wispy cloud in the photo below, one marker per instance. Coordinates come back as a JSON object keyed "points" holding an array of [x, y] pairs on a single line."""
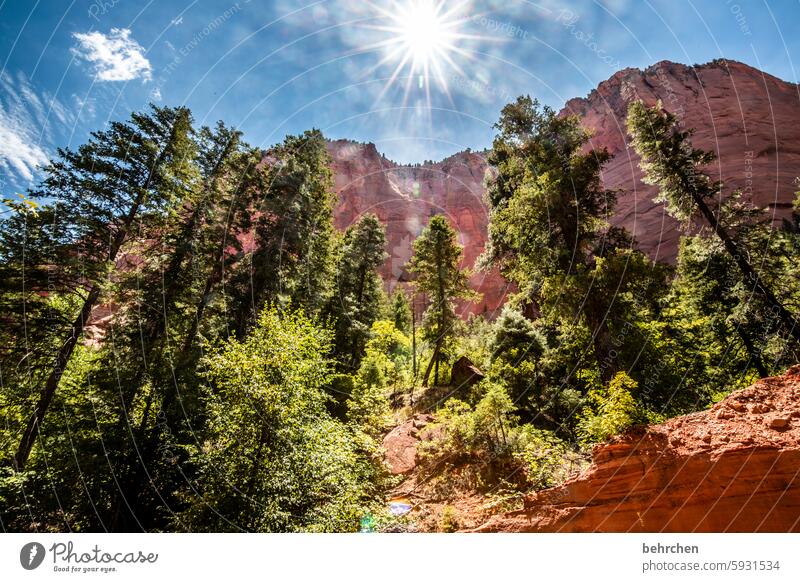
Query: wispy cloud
{"points": [[115, 56], [27, 118]]}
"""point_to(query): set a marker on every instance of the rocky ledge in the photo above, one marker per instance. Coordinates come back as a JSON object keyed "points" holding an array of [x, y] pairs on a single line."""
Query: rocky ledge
{"points": [[732, 468]]}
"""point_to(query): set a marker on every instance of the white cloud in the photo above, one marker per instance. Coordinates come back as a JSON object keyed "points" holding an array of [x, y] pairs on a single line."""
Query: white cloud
{"points": [[155, 94], [116, 56], [26, 121], [17, 153]]}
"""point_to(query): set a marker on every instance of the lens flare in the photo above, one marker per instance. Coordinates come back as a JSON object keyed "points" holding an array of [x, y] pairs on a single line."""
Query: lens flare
{"points": [[424, 40]]}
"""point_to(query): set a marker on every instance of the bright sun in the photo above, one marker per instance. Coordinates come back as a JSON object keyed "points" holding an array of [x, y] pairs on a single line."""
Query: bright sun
{"points": [[421, 31], [422, 42]]}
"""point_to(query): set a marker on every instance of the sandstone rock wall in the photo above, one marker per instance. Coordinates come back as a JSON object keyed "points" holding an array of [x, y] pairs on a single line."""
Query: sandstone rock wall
{"points": [[733, 468], [747, 117]]}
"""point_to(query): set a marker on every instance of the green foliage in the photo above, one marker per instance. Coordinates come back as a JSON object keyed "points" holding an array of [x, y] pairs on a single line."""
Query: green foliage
{"points": [[400, 310], [612, 410], [547, 202], [547, 459], [368, 406], [294, 236], [671, 162], [516, 338], [213, 399], [459, 429], [437, 265], [549, 231], [274, 459], [358, 291]]}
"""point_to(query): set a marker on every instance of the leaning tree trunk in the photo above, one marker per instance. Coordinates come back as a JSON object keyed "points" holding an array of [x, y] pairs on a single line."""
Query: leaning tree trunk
{"points": [[434, 357], [786, 318], [48, 390], [755, 357], [65, 352]]}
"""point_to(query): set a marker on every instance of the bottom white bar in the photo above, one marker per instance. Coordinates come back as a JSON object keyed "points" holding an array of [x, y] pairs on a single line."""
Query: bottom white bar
{"points": [[407, 558]]}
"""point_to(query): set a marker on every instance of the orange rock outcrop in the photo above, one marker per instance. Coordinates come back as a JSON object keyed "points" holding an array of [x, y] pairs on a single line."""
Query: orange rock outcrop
{"points": [[732, 468]]}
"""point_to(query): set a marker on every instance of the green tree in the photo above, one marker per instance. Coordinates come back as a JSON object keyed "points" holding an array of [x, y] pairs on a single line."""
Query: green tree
{"points": [[358, 289], [400, 310], [437, 265], [122, 176], [548, 229], [274, 459], [155, 367], [671, 162], [293, 232]]}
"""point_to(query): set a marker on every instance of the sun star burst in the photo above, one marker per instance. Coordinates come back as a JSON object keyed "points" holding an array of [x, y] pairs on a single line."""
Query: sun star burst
{"points": [[422, 43]]}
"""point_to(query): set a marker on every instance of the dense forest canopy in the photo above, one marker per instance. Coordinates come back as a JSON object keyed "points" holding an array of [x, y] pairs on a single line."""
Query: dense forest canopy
{"points": [[251, 360]]}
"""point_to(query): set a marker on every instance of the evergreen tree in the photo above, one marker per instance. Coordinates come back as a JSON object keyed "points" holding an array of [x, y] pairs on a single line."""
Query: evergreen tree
{"points": [[131, 172], [400, 310], [159, 315], [670, 162], [548, 229], [293, 234], [437, 265], [358, 290]]}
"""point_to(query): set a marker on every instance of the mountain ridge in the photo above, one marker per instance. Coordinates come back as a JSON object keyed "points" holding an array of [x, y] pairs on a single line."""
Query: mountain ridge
{"points": [[741, 113]]}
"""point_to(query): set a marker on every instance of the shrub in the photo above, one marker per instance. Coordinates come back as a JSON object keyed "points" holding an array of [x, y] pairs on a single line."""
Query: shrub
{"points": [[487, 429], [448, 522], [612, 409], [548, 460]]}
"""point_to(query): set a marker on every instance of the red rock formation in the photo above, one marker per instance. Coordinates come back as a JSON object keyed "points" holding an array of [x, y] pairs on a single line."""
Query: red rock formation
{"points": [[400, 444], [746, 116], [733, 468], [405, 197]]}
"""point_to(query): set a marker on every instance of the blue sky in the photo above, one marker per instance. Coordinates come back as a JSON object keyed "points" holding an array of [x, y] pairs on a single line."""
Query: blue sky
{"points": [[278, 67]]}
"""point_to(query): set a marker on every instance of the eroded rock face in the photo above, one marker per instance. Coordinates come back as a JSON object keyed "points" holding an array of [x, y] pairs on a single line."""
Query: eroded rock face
{"points": [[733, 468], [404, 198], [744, 115]]}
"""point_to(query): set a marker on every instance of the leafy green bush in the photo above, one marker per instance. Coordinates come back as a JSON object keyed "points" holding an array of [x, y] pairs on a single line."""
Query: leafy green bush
{"points": [[548, 460], [274, 459], [459, 430], [612, 410]]}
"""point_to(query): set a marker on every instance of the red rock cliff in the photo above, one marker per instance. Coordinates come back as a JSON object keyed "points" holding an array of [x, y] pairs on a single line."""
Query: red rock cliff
{"points": [[748, 118], [405, 197]]}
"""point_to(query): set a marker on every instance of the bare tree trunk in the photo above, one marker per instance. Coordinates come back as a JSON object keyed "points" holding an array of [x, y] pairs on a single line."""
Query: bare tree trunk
{"points": [[434, 357], [755, 357]]}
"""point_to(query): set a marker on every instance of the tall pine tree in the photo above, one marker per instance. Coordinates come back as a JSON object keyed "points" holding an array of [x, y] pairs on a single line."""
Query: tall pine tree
{"points": [[125, 174], [437, 265]]}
